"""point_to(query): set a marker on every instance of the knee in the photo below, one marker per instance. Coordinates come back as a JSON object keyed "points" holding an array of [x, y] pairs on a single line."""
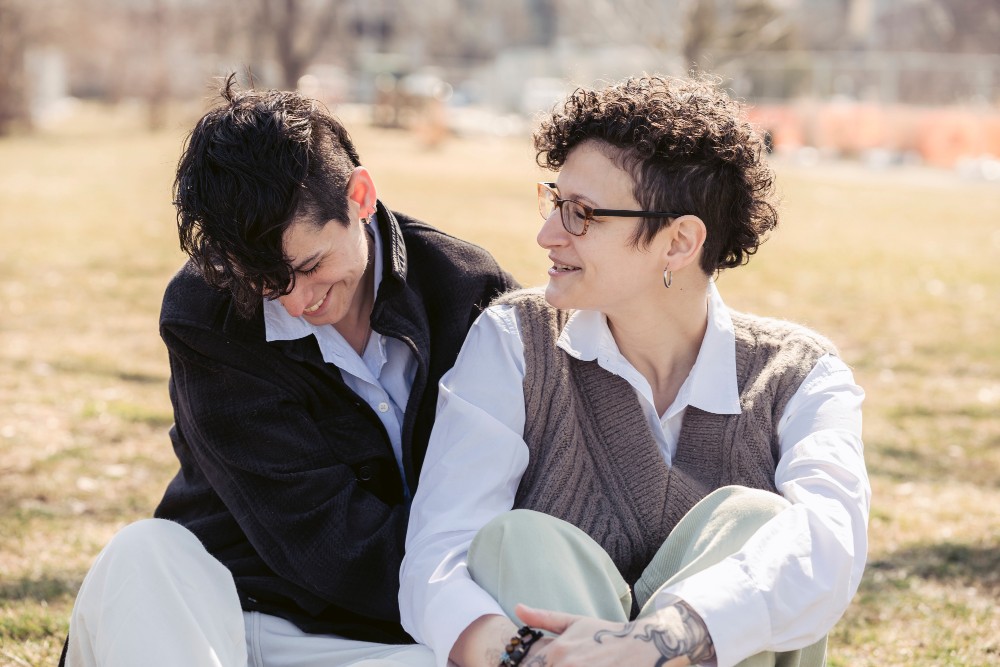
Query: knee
{"points": [[519, 530], [155, 559], [145, 545], [731, 510], [518, 518], [748, 500], [150, 536], [533, 537], [138, 554]]}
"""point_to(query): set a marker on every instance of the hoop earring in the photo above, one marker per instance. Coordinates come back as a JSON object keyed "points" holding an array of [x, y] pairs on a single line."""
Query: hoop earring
{"points": [[668, 278]]}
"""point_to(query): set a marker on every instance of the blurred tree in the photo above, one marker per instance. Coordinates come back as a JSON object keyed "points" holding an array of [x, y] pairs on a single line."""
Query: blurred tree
{"points": [[158, 83], [943, 26], [696, 31], [299, 29], [13, 87], [736, 28]]}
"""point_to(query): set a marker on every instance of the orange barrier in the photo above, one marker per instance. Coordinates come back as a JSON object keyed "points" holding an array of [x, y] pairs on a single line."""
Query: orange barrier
{"points": [[941, 136]]}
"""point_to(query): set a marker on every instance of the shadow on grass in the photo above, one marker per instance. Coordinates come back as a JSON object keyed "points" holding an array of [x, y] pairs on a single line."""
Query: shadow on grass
{"points": [[47, 589], [943, 562], [87, 365], [28, 510], [36, 610], [908, 464], [106, 368]]}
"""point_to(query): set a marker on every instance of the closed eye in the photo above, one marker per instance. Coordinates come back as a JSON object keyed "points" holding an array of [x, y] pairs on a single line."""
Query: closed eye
{"points": [[313, 269]]}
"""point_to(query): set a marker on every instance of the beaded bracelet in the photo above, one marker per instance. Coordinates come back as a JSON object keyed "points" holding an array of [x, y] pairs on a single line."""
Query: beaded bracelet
{"points": [[518, 647]]}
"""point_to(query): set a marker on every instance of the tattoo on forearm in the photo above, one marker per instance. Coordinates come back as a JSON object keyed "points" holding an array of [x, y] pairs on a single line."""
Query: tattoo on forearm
{"points": [[693, 642], [537, 661], [624, 632], [699, 647]]}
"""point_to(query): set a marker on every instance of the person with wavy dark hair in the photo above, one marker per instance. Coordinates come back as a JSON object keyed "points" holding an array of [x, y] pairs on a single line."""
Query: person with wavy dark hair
{"points": [[283, 157], [306, 336], [621, 461]]}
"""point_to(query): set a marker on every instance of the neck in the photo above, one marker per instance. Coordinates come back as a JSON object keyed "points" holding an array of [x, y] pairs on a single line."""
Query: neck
{"points": [[662, 340], [355, 326]]}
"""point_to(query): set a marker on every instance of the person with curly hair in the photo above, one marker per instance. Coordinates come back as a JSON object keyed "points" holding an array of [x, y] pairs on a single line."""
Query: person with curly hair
{"points": [[306, 337], [620, 460]]}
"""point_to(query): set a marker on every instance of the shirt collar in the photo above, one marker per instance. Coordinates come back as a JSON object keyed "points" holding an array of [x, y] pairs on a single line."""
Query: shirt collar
{"points": [[279, 325], [711, 385]]}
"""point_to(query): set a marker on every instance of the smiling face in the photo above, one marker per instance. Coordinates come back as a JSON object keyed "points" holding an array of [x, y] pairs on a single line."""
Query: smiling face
{"points": [[331, 263], [602, 270]]}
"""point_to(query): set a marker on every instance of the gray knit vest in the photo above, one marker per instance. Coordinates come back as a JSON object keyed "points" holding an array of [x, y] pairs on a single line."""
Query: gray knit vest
{"points": [[592, 459]]}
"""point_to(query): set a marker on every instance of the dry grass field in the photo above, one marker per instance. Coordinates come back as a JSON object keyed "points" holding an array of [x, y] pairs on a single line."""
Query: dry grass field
{"points": [[900, 268]]}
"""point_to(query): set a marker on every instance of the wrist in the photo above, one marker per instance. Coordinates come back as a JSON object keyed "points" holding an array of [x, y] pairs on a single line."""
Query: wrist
{"points": [[481, 643], [696, 643], [518, 646]]}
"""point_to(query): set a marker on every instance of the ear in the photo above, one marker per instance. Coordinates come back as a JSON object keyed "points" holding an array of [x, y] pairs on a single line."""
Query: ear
{"points": [[686, 239], [361, 191]]}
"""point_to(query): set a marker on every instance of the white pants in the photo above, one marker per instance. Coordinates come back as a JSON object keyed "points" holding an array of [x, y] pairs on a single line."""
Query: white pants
{"points": [[155, 596]]}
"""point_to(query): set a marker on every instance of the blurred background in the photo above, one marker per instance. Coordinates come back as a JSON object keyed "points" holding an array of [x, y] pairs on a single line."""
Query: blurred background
{"points": [[883, 120], [884, 81]]}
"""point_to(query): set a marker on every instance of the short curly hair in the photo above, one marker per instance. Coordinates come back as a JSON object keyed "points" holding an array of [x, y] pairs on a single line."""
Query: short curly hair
{"points": [[687, 147], [252, 165]]}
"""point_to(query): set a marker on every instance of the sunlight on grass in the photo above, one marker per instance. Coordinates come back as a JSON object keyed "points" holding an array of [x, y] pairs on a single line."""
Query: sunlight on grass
{"points": [[897, 267]]}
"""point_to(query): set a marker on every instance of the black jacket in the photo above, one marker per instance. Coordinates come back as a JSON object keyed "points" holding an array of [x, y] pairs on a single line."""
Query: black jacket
{"points": [[286, 475]]}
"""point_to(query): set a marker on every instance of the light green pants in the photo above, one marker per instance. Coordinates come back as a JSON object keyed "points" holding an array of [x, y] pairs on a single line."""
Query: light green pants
{"points": [[541, 561]]}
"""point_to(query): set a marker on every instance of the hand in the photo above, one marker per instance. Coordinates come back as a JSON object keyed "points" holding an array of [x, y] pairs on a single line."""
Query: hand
{"points": [[673, 637]]}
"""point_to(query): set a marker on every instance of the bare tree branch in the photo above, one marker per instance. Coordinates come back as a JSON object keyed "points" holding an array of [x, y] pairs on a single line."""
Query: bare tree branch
{"points": [[13, 88]]}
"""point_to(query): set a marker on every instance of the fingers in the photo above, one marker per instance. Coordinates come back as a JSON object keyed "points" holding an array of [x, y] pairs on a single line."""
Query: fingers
{"points": [[553, 621]]}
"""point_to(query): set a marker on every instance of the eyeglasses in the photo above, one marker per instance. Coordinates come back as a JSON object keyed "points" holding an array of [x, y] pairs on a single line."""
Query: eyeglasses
{"points": [[576, 217]]}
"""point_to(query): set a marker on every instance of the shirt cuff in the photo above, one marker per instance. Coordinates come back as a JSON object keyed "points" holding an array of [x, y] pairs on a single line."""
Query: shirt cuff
{"points": [[732, 608], [451, 612]]}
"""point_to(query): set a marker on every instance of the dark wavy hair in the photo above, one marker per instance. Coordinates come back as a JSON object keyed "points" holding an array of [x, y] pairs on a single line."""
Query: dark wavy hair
{"points": [[687, 147], [252, 165]]}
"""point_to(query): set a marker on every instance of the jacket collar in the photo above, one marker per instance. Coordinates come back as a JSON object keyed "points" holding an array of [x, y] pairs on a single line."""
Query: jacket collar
{"points": [[399, 310], [393, 253]]}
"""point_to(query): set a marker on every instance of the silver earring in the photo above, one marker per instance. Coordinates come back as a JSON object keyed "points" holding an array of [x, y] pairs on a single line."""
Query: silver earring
{"points": [[668, 278]]}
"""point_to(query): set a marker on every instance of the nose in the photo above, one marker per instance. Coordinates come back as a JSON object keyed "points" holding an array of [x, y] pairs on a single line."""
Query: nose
{"points": [[296, 301], [552, 233]]}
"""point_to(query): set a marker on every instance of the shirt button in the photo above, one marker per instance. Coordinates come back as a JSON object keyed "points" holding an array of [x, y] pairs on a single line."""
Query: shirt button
{"points": [[383, 407]]}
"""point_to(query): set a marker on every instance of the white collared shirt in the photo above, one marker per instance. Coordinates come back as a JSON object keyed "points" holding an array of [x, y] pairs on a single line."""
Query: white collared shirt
{"points": [[761, 598], [382, 376]]}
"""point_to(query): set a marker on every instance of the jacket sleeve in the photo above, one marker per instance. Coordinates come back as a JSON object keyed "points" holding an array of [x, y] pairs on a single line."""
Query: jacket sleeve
{"points": [[280, 459], [508, 282]]}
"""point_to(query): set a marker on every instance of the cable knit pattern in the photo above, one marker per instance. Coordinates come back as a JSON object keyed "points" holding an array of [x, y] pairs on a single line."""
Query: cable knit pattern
{"points": [[593, 461]]}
